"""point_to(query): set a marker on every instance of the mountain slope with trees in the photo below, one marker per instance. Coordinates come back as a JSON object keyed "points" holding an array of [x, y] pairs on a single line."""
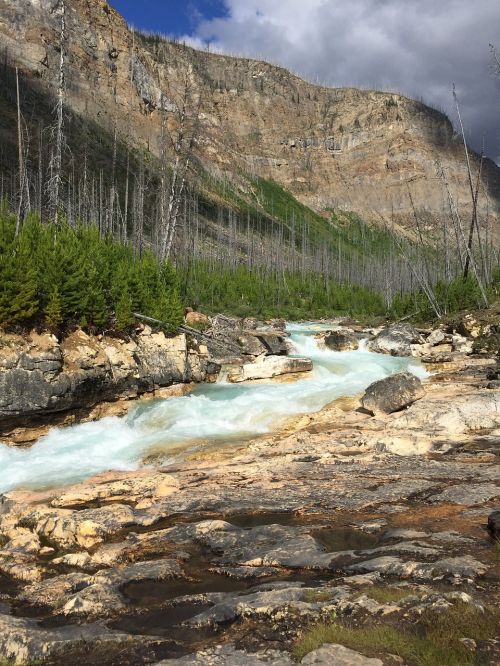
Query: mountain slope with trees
{"points": [[232, 167]]}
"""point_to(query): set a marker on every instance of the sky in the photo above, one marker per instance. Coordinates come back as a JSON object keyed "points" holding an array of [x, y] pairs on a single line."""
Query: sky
{"points": [[418, 47]]}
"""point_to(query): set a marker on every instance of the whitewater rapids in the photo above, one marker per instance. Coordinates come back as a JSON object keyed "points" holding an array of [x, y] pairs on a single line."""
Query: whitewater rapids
{"points": [[212, 414]]}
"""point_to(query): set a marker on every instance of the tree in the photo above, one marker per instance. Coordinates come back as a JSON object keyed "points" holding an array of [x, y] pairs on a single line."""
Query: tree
{"points": [[18, 277], [54, 185], [496, 60], [53, 310], [124, 316], [185, 103]]}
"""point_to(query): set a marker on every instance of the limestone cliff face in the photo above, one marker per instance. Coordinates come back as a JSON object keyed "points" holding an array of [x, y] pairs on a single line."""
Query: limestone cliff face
{"points": [[333, 148], [40, 376]]}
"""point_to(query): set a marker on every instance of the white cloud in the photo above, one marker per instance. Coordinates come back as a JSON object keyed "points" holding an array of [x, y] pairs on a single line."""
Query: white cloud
{"points": [[419, 48]]}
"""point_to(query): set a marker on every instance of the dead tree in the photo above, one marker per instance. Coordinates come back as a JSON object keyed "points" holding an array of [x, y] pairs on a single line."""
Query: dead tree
{"points": [[496, 60], [474, 197], [184, 103], [20, 153], [54, 185]]}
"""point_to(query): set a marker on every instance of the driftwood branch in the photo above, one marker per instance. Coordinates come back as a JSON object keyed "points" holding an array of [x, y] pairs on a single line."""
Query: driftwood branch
{"points": [[190, 331]]}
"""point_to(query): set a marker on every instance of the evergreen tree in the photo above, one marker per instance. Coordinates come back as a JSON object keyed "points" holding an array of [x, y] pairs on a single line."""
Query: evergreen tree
{"points": [[123, 312], [53, 312]]}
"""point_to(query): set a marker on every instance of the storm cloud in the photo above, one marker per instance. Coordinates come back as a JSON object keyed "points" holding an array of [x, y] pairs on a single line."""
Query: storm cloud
{"points": [[418, 48]]}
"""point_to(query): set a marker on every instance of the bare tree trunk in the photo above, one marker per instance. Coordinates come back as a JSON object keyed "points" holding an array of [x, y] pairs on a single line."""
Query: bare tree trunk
{"points": [[182, 139], [112, 195], [55, 181], [20, 154], [125, 215], [473, 193]]}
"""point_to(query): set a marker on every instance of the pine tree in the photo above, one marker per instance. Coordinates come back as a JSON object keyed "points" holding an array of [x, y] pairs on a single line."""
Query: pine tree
{"points": [[93, 306], [53, 311], [123, 312], [19, 287]]}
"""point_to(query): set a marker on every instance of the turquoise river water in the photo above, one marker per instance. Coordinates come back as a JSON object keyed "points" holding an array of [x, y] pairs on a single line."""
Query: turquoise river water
{"points": [[211, 415]]}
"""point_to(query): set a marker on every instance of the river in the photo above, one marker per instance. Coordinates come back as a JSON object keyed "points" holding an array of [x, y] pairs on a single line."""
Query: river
{"points": [[212, 415]]}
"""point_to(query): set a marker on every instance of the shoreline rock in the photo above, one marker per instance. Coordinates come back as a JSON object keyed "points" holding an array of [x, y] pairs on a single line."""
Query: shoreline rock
{"points": [[43, 379], [268, 367], [392, 394]]}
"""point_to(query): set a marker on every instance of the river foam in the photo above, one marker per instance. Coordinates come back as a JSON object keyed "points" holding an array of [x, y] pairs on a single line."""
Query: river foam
{"points": [[212, 414]]}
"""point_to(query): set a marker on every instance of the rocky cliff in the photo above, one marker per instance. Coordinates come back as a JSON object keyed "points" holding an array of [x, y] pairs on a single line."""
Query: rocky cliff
{"points": [[333, 148], [41, 377]]}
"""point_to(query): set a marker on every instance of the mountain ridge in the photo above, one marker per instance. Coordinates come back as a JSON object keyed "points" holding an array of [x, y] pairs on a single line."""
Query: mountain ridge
{"points": [[332, 148]]}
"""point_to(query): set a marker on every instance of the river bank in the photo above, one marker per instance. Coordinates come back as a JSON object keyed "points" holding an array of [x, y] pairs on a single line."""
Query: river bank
{"points": [[48, 382], [232, 554]]}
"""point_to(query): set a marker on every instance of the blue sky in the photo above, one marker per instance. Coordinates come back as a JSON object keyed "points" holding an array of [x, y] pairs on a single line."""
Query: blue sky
{"points": [[170, 17]]}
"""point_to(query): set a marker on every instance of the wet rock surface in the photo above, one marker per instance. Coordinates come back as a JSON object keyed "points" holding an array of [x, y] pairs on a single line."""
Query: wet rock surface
{"points": [[269, 367], [230, 556], [339, 341]]}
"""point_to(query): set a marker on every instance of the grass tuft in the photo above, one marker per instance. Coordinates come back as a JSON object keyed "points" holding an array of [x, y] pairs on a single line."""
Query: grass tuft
{"points": [[434, 641], [384, 595], [316, 596]]}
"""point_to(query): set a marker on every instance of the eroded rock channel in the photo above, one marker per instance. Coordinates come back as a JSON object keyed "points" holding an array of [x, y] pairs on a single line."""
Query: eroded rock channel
{"points": [[236, 555]]}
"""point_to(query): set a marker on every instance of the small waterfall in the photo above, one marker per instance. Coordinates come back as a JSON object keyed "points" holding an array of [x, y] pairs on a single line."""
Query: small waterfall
{"points": [[363, 345], [222, 377]]}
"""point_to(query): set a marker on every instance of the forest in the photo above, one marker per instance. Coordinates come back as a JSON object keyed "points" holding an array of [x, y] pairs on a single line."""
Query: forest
{"points": [[88, 242]]}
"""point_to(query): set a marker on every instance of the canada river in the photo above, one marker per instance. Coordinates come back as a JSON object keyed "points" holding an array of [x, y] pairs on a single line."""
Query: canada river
{"points": [[213, 414]]}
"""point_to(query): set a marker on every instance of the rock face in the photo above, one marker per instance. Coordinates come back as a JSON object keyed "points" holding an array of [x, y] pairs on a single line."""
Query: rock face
{"points": [[269, 367], [337, 341], [254, 115], [396, 340], [392, 393], [40, 376]]}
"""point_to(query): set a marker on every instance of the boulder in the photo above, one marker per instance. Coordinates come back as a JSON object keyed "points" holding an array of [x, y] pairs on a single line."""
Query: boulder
{"points": [[436, 337], [392, 393], [471, 328], [494, 524], [197, 319], [339, 341], [251, 345], [268, 367], [275, 343], [396, 340]]}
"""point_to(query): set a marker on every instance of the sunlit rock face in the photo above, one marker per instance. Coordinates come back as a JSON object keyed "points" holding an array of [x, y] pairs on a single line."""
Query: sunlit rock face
{"points": [[40, 376], [333, 148]]}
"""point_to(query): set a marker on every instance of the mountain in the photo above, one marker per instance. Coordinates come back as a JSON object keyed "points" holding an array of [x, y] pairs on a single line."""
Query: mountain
{"points": [[283, 175], [339, 148]]}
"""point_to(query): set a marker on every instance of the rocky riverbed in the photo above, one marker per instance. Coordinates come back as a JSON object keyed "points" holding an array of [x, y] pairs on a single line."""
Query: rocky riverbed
{"points": [[301, 546], [46, 382]]}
